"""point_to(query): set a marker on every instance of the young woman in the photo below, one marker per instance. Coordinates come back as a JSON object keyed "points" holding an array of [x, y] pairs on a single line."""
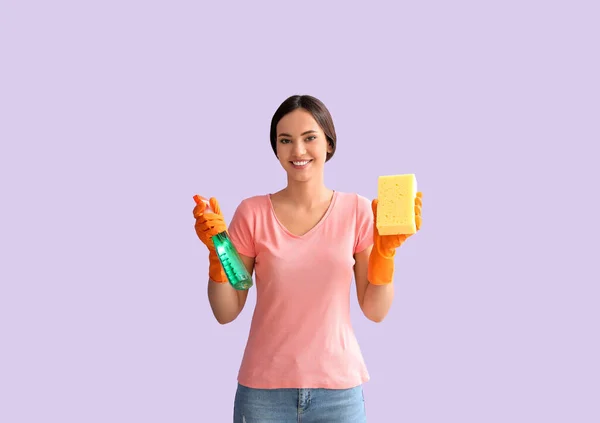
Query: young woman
{"points": [[302, 361]]}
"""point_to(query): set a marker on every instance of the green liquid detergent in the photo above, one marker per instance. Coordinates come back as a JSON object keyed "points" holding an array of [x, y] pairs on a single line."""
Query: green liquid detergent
{"points": [[232, 264]]}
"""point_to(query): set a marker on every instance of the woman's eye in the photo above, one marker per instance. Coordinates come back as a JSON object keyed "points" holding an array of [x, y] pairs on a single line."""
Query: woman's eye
{"points": [[311, 138], [284, 141]]}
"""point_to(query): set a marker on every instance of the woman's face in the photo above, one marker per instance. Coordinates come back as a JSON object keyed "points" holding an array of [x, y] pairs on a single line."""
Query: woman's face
{"points": [[301, 145]]}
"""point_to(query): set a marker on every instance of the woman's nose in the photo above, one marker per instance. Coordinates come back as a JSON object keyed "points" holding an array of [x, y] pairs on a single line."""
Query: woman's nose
{"points": [[299, 148]]}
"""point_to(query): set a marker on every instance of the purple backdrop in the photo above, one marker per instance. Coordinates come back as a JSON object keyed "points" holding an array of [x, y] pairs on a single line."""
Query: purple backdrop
{"points": [[113, 115]]}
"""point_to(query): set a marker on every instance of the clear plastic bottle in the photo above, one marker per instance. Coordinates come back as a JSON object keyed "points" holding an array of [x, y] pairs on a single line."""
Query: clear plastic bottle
{"points": [[234, 268]]}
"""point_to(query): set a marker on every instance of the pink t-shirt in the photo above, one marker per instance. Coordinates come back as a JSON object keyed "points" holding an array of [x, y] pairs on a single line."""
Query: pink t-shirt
{"points": [[301, 335]]}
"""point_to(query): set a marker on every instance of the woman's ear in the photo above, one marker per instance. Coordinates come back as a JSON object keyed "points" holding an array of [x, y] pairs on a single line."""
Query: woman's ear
{"points": [[329, 145]]}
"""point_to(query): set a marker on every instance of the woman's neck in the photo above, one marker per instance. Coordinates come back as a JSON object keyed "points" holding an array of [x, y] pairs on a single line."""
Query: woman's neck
{"points": [[307, 194]]}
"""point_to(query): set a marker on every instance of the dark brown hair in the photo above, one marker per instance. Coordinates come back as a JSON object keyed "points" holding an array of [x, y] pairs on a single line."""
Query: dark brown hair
{"points": [[318, 111]]}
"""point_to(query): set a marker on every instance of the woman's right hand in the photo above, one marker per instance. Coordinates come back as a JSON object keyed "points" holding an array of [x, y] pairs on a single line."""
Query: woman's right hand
{"points": [[208, 222]]}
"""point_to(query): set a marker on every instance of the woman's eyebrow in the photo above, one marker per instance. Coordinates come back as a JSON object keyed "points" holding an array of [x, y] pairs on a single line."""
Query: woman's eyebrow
{"points": [[304, 133]]}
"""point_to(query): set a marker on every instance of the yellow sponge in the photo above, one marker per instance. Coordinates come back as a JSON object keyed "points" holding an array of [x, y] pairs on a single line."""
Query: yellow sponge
{"points": [[396, 204]]}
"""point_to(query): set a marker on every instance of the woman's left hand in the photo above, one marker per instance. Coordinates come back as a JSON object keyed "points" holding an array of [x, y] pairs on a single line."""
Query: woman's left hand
{"points": [[386, 244]]}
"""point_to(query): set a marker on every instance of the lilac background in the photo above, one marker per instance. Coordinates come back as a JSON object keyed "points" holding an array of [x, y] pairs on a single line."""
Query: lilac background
{"points": [[113, 114]]}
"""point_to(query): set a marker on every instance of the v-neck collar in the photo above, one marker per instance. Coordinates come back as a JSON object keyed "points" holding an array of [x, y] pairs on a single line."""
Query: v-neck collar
{"points": [[311, 230]]}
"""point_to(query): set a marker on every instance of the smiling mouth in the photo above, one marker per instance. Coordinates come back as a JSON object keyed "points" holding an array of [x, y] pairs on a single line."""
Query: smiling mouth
{"points": [[301, 163]]}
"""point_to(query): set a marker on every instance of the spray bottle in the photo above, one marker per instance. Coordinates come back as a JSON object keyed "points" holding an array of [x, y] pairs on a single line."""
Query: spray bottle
{"points": [[234, 268]]}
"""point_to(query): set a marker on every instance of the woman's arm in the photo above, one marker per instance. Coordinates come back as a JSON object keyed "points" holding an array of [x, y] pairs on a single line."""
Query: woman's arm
{"points": [[374, 300], [227, 302]]}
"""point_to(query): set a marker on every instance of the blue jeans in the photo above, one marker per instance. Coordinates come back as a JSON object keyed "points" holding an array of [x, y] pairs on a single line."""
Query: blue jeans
{"points": [[289, 405]]}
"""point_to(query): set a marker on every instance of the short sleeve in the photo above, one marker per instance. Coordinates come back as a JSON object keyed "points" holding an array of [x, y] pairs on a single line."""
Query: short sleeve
{"points": [[364, 224], [241, 229]]}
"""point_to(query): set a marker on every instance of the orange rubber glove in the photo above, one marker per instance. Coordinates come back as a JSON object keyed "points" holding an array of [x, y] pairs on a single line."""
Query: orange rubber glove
{"points": [[381, 260], [208, 225]]}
